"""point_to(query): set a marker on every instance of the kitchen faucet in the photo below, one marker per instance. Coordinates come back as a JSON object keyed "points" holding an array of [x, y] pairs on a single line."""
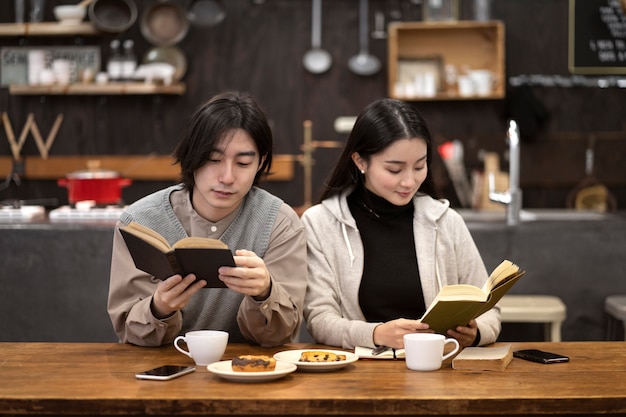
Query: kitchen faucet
{"points": [[513, 197]]}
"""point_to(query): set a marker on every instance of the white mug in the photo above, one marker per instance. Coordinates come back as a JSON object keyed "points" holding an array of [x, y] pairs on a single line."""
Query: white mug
{"points": [[466, 85], [483, 81], [205, 346], [424, 351]]}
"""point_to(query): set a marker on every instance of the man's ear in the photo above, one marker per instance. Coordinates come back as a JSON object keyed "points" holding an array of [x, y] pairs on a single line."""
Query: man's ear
{"points": [[261, 162]]}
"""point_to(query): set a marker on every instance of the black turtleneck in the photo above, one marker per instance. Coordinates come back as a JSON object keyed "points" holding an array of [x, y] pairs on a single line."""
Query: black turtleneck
{"points": [[390, 286]]}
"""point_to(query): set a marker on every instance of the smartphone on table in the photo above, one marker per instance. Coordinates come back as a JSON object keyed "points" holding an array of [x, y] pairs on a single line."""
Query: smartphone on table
{"points": [[540, 356], [165, 372]]}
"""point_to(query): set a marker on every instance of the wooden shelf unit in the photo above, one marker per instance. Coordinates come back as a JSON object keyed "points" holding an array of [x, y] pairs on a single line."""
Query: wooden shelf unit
{"points": [[149, 167], [130, 88], [47, 29], [475, 45]]}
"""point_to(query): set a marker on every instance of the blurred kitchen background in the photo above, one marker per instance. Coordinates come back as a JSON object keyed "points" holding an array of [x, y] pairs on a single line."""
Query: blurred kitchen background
{"points": [[259, 45]]}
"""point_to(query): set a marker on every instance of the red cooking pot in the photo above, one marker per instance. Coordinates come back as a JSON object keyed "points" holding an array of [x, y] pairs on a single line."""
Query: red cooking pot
{"points": [[100, 185]]}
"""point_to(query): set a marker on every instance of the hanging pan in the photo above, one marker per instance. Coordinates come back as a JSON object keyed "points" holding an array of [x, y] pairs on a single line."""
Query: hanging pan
{"points": [[164, 24], [113, 16], [590, 193], [206, 13]]}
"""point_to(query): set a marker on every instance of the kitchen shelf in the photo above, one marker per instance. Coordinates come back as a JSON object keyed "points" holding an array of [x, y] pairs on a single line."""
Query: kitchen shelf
{"points": [[149, 167], [131, 88], [47, 29], [430, 46]]}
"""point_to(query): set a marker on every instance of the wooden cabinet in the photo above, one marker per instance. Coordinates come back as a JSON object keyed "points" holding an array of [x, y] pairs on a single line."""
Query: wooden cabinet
{"points": [[425, 49]]}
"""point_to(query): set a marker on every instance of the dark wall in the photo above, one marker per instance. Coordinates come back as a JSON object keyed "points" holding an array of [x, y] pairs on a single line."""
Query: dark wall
{"points": [[259, 47]]}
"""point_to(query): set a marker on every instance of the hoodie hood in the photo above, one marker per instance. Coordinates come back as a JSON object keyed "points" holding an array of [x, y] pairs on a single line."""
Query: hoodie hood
{"points": [[427, 212]]}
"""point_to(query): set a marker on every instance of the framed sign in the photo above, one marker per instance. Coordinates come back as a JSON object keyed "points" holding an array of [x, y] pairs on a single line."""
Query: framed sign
{"points": [[597, 37]]}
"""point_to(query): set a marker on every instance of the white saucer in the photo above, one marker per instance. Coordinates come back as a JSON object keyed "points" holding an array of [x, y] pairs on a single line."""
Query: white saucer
{"points": [[293, 356], [225, 370]]}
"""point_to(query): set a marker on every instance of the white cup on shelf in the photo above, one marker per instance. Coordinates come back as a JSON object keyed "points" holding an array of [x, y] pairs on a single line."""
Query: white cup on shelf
{"points": [[465, 85], [483, 81], [62, 71], [36, 64]]}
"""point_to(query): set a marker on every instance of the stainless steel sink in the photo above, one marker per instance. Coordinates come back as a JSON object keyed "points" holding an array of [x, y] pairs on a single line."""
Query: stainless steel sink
{"points": [[529, 215]]}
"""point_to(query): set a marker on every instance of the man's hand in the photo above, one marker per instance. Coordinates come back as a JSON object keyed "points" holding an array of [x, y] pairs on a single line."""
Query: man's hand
{"points": [[173, 294], [249, 277]]}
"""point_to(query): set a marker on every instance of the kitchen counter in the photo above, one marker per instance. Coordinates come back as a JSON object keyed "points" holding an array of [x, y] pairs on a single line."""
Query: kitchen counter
{"points": [[55, 275], [582, 262], [98, 379], [55, 281]]}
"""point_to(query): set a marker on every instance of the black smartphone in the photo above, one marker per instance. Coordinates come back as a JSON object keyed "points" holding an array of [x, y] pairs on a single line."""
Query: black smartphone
{"points": [[535, 355], [165, 372]]}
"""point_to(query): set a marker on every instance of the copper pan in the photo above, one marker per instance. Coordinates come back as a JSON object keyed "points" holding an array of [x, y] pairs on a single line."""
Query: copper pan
{"points": [[164, 24]]}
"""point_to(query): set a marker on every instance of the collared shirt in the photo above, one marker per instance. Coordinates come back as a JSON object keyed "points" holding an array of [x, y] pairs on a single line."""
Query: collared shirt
{"points": [[273, 321]]}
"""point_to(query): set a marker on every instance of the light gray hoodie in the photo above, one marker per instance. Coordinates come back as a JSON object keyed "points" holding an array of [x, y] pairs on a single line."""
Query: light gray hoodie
{"points": [[446, 254]]}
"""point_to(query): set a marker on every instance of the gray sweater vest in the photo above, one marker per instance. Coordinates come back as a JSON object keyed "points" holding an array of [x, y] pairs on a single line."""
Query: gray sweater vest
{"points": [[212, 308]]}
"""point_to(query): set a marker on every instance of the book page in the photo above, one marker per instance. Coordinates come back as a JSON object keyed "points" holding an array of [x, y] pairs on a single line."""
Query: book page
{"points": [[461, 292], [200, 242], [485, 353], [505, 270], [149, 235]]}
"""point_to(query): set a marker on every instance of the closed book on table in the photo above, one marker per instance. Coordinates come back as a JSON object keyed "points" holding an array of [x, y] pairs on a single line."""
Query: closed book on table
{"points": [[483, 358]]}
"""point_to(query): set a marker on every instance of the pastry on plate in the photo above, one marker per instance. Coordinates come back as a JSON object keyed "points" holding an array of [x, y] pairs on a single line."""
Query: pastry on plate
{"points": [[321, 356], [253, 363]]}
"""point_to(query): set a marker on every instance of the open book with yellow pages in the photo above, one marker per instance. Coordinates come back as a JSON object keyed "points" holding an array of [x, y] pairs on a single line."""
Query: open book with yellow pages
{"points": [[152, 254], [456, 305]]}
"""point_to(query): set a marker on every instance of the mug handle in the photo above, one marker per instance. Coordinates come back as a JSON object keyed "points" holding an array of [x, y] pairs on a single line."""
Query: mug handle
{"points": [[455, 350], [178, 348]]}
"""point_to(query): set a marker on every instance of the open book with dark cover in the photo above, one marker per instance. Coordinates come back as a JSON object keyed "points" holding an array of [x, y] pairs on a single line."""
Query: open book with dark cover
{"points": [[198, 255], [456, 305]]}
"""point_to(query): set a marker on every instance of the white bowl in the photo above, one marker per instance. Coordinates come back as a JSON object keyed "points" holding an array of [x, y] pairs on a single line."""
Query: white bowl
{"points": [[70, 14]]}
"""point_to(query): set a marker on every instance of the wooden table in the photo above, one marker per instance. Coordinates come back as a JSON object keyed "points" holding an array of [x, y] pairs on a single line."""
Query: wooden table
{"points": [[98, 379]]}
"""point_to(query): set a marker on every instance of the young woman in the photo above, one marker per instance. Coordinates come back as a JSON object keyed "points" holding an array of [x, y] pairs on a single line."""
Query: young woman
{"points": [[225, 150], [380, 245]]}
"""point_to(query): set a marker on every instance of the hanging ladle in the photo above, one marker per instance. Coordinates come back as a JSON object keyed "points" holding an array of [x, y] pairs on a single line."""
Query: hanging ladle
{"points": [[317, 60], [363, 63]]}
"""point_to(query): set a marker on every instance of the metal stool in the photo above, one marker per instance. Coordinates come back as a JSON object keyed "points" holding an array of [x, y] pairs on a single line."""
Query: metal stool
{"points": [[615, 307], [546, 309]]}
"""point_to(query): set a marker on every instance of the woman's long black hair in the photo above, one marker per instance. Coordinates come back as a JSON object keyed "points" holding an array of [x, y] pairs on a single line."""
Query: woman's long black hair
{"points": [[379, 125]]}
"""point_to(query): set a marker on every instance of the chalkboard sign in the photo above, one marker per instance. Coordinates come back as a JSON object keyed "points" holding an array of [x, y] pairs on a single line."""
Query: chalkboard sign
{"points": [[597, 37]]}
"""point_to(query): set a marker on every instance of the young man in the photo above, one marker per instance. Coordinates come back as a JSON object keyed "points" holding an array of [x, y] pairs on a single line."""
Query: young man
{"points": [[225, 150]]}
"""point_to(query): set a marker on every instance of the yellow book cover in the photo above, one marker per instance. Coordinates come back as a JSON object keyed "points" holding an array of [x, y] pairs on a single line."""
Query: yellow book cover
{"points": [[456, 305]]}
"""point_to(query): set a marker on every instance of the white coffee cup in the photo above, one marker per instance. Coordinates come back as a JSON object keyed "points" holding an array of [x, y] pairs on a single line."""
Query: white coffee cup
{"points": [[424, 351], [483, 81], [205, 346], [466, 85]]}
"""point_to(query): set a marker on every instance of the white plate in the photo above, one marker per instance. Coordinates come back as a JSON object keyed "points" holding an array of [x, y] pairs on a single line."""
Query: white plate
{"points": [[293, 356], [225, 370]]}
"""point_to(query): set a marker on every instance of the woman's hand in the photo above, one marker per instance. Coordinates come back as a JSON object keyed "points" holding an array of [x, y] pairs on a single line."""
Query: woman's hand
{"points": [[249, 277], [465, 335], [173, 294], [392, 332]]}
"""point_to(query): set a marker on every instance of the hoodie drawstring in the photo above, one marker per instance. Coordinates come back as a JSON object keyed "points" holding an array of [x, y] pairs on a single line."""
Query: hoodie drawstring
{"points": [[344, 232]]}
